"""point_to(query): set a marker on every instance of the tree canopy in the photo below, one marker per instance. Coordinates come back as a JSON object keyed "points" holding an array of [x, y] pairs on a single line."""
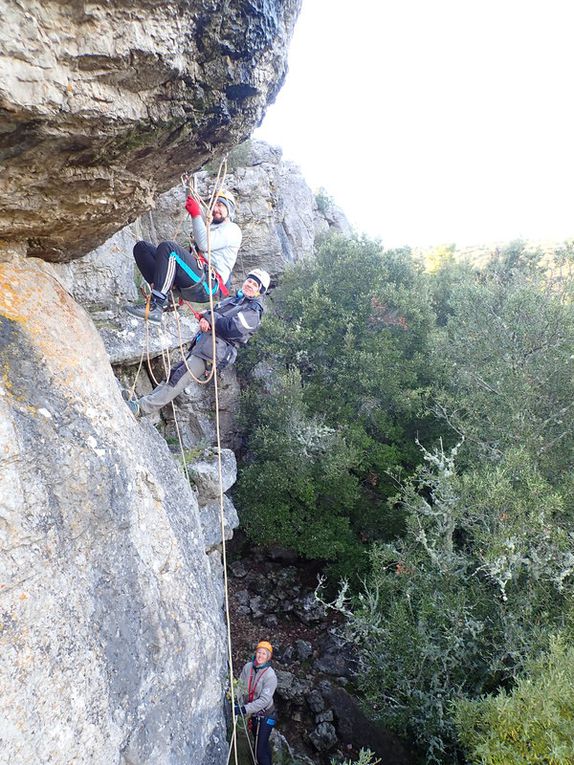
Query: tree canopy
{"points": [[417, 428]]}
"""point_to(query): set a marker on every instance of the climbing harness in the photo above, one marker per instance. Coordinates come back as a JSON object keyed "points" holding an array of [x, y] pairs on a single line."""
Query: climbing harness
{"points": [[254, 678], [200, 279]]}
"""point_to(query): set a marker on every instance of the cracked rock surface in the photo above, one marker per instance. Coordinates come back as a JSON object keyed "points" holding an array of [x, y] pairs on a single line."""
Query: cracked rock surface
{"points": [[103, 106]]}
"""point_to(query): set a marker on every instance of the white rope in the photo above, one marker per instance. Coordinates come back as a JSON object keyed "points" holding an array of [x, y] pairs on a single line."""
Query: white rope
{"points": [[213, 375]]}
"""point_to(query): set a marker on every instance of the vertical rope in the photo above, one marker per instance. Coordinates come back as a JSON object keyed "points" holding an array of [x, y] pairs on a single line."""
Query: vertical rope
{"points": [[216, 189]]}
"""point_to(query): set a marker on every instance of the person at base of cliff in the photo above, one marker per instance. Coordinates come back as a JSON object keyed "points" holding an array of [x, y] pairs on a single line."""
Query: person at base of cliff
{"points": [[235, 321], [257, 684], [170, 265]]}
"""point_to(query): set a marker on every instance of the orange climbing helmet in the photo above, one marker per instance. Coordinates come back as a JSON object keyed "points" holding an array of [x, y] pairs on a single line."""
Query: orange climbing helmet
{"points": [[266, 645]]}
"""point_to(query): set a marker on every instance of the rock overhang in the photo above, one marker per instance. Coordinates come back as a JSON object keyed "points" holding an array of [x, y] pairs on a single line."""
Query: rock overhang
{"points": [[103, 106]]}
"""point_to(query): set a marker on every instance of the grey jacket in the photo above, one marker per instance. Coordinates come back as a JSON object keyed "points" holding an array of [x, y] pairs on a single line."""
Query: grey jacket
{"points": [[263, 683], [225, 241]]}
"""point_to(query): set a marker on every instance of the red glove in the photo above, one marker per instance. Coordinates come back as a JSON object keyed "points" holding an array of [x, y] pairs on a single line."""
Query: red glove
{"points": [[192, 207]]}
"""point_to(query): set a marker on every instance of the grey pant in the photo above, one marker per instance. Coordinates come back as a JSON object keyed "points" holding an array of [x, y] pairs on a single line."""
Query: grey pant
{"points": [[164, 393]]}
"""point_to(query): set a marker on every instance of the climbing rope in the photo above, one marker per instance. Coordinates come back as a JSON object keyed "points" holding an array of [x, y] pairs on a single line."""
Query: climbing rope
{"points": [[247, 736], [221, 174], [217, 187]]}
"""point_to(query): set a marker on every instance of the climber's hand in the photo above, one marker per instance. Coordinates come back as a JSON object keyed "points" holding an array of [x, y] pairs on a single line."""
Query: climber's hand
{"points": [[192, 207]]}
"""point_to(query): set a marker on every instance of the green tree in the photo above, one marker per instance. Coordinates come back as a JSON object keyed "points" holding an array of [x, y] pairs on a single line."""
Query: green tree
{"points": [[507, 364], [454, 607], [354, 323], [300, 486]]}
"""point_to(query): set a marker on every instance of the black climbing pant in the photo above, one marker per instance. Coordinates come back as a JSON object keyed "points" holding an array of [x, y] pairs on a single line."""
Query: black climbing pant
{"points": [[262, 731], [163, 272]]}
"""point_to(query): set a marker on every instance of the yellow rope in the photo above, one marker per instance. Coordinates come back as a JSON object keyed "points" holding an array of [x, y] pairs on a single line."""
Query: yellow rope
{"points": [[216, 188]]}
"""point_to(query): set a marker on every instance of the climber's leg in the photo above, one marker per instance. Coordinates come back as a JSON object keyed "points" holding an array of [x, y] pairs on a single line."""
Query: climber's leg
{"points": [[144, 256], [167, 391], [168, 272], [262, 731]]}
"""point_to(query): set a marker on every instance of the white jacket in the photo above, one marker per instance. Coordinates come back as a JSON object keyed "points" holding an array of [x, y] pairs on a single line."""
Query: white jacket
{"points": [[225, 241]]}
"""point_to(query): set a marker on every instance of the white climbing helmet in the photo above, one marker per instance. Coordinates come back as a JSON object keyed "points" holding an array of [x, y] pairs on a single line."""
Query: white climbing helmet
{"points": [[262, 277]]}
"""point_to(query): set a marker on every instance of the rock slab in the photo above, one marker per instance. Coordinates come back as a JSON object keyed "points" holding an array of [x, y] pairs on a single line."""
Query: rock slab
{"points": [[112, 637], [103, 105]]}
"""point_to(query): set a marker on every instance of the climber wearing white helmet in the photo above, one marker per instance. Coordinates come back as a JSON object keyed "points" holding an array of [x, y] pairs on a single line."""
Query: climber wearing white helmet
{"points": [[235, 320], [169, 265]]}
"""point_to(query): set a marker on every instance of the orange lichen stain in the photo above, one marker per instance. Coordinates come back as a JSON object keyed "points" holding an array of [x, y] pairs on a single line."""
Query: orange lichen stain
{"points": [[23, 596], [6, 382], [55, 324]]}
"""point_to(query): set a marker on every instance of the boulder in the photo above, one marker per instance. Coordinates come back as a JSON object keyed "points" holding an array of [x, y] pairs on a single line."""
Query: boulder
{"points": [[210, 515], [309, 609], [204, 473], [316, 701], [290, 687], [238, 569], [323, 737], [304, 649], [336, 657]]}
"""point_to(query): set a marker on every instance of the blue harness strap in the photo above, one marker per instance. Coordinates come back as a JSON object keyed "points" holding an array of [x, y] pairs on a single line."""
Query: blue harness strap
{"points": [[192, 275]]}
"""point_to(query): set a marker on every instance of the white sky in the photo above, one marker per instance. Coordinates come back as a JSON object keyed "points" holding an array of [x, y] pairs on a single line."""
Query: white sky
{"points": [[435, 121]]}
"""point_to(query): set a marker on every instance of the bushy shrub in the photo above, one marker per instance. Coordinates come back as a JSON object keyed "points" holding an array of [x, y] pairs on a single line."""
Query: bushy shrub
{"points": [[300, 488], [366, 757], [455, 607], [506, 361], [471, 566], [533, 724]]}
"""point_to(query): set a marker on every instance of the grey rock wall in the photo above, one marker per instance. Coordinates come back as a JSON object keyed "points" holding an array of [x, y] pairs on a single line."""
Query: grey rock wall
{"points": [[103, 105], [278, 212], [280, 219], [112, 639], [112, 636]]}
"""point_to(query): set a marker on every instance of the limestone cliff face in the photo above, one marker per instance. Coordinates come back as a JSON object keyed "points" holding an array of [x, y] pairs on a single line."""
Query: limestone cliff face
{"points": [[112, 637], [104, 104], [280, 219], [112, 641], [278, 214]]}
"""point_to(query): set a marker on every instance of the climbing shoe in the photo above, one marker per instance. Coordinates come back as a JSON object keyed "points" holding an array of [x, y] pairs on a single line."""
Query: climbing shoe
{"points": [[155, 313], [134, 406]]}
